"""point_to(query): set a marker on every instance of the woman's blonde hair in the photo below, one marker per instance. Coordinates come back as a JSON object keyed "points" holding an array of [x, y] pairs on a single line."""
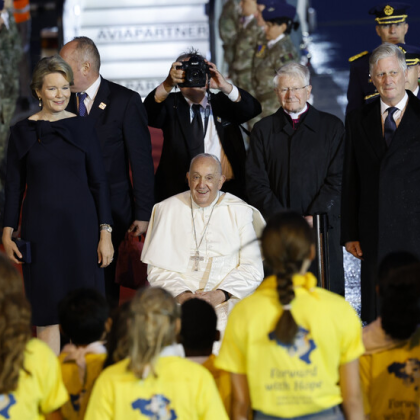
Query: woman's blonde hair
{"points": [[15, 325], [152, 327]]}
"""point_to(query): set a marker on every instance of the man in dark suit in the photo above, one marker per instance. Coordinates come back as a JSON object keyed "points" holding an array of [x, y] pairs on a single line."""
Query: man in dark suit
{"points": [[391, 26], [295, 161], [121, 124], [194, 122], [381, 178], [412, 58]]}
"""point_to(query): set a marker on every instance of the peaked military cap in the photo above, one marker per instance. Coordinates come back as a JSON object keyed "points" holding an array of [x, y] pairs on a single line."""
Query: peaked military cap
{"points": [[412, 54], [278, 9], [388, 13]]}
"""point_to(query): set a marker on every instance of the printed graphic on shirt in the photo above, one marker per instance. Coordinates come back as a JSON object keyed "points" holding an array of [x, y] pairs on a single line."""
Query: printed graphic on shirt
{"points": [[408, 372], [6, 401], [302, 347], [157, 408]]}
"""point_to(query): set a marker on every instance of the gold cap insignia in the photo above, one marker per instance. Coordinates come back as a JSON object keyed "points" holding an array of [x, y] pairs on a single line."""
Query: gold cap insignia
{"points": [[388, 10], [402, 49], [271, 9], [102, 105]]}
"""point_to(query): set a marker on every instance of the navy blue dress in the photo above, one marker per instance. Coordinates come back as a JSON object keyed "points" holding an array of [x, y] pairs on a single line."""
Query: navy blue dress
{"points": [[67, 197]]}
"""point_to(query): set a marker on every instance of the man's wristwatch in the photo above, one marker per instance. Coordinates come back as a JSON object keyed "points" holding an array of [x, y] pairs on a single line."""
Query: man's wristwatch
{"points": [[106, 227], [227, 295]]}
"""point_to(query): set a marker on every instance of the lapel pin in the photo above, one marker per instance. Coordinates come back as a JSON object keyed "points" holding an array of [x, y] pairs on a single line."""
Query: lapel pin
{"points": [[219, 119], [102, 105]]}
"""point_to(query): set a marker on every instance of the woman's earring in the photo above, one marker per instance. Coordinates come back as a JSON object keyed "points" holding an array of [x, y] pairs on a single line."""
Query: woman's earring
{"points": [[40, 102]]}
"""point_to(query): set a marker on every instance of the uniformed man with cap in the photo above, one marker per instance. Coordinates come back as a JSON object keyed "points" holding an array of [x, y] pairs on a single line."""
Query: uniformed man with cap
{"points": [[279, 22], [412, 58], [391, 26]]}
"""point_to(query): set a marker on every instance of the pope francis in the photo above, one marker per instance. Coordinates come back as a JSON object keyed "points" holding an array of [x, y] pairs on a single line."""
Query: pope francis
{"points": [[202, 243]]}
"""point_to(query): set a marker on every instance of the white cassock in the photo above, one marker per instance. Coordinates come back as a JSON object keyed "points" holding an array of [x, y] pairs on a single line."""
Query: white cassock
{"points": [[230, 257]]}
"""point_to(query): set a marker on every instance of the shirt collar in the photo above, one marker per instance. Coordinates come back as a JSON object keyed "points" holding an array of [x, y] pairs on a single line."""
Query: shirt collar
{"points": [[203, 103], [415, 93], [295, 116], [274, 41], [400, 105], [92, 90], [247, 19], [197, 207]]}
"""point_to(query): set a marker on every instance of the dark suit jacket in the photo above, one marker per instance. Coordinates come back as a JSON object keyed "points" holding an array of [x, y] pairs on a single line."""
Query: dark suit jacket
{"points": [[381, 191], [121, 125], [301, 171], [173, 117]]}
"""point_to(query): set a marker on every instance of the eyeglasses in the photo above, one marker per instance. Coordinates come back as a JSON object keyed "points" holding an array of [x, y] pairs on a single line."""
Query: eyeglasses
{"points": [[291, 90]]}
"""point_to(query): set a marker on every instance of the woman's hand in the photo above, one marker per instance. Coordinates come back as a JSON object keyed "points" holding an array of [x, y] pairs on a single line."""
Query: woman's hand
{"points": [[105, 249], [10, 247]]}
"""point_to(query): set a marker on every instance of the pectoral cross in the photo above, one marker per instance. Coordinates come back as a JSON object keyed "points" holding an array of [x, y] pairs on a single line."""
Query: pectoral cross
{"points": [[196, 259]]}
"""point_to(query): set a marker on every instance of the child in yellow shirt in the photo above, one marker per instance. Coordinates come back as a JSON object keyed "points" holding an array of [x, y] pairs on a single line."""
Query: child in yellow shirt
{"points": [[83, 316], [31, 387], [198, 333], [154, 382]]}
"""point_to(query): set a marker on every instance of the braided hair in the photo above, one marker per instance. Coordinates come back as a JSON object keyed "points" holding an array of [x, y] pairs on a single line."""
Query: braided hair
{"points": [[286, 244], [152, 327]]}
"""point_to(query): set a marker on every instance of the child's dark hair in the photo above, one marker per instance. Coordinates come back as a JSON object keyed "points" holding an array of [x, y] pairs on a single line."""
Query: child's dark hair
{"points": [[198, 325], [286, 243], [391, 263], [290, 24], [400, 302], [117, 339], [82, 315]]}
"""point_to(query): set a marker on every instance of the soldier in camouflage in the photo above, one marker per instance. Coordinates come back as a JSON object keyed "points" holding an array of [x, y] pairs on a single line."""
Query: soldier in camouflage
{"points": [[228, 29], [249, 36], [270, 56], [10, 55]]}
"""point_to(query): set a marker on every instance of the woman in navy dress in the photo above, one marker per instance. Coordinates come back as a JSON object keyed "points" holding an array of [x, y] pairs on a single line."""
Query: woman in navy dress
{"points": [[66, 212]]}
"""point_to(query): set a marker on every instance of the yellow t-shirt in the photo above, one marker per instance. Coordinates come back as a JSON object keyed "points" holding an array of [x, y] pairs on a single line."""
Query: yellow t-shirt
{"points": [[182, 390], [223, 383], [40, 390], [290, 381], [75, 408], [391, 382]]}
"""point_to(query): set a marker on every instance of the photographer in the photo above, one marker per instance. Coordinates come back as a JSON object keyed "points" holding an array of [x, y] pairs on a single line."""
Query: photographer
{"points": [[194, 121]]}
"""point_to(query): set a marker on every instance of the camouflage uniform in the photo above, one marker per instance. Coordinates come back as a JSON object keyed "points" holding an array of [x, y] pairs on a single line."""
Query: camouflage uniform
{"points": [[228, 29], [266, 63], [10, 55], [245, 47]]}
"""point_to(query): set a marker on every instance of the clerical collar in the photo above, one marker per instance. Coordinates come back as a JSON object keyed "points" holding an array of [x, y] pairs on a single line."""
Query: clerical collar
{"points": [[271, 43], [400, 105], [196, 206], [295, 116], [203, 102]]}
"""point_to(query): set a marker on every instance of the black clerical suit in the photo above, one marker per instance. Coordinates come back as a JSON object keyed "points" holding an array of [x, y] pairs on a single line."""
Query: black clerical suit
{"points": [[173, 117], [300, 170], [381, 191], [121, 125]]}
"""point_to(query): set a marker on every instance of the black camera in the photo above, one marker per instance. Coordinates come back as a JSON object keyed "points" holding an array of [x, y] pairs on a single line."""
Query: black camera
{"points": [[196, 71]]}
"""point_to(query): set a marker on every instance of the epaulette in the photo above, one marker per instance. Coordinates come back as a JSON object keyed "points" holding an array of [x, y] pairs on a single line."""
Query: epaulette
{"points": [[374, 95], [355, 57]]}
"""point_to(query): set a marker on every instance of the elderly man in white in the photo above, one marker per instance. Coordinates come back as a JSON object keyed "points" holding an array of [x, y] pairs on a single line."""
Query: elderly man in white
{"points": [[203, 243]]}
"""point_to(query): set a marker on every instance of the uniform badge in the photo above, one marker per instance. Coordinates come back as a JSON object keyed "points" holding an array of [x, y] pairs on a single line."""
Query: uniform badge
{"points": [[388, 10], [260, 51], [219, 119], [102, 105]]}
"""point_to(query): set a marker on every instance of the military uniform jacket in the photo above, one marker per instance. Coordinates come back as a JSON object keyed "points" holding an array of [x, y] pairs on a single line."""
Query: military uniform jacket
{"points": [[248, 39], [381, 187], [266, 63], [360, 84]]}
